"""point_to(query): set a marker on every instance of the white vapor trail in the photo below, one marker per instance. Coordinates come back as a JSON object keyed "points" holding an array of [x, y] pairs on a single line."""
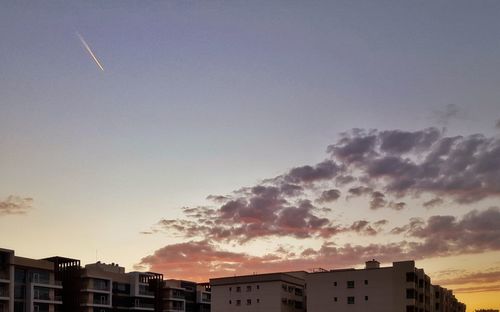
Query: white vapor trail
{"points": [[89, 50]]}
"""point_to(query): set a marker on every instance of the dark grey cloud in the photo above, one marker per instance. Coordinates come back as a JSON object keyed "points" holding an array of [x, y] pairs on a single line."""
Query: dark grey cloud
{"points": [[399, 142], [329, 196], [477, 231], [466, 169], [354, 147], [260, 211], [436, 201], [397, 205], [13, 205], [363, 227], [359, 190], [377, 201], [325, 170]]}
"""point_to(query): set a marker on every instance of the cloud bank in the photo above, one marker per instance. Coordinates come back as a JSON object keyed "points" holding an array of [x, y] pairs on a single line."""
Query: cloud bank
{"points": [[384, 169]]}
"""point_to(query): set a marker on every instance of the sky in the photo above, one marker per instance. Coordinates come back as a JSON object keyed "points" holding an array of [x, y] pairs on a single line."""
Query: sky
{"points": [[213, 138]]}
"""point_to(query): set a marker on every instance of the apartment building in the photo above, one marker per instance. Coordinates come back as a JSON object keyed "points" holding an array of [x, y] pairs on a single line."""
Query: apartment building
{"points": [[61, 284], [101, 287], [399, 288], [443, 300], [203, 297], [275, 292], [185, 296], [28, 285]]}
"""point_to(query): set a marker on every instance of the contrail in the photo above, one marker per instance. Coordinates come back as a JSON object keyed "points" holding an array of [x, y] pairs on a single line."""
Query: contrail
{"points": [[87, 47]]}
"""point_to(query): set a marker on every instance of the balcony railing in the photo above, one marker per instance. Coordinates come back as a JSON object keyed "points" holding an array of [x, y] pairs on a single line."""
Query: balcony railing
{"points": [[144, 305], [4, 275]]}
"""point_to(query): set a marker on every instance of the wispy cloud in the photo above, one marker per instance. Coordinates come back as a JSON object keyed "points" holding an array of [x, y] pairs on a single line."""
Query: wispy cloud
{"points": [[15, 205]]}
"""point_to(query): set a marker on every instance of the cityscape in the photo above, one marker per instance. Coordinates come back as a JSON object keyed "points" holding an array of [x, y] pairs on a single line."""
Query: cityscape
{"points": [[57, 284], [250, 155]]}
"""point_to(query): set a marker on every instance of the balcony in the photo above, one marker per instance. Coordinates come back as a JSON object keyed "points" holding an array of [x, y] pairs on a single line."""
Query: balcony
{"points": [[97, 287], [4, 294], [143, 306], [4, 276]]}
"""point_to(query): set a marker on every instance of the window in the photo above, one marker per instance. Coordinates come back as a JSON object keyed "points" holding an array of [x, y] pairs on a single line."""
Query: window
{"points": [[238, 289], [298, 292], [230, 288], [350, 284], [283, 286], [334, 283], [238, 302], [350, 300], [249, 301], [366, 282], [335, 299], [410, 276], [298, 305], [290, 289], [258, 300], [410, 293], [410, 308], [230, 302], [249, 288], [366, 298], [258, 287]]}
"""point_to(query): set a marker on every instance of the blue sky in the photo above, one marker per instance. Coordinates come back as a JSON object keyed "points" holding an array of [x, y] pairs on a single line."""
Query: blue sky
{"points": [[206, 97]]}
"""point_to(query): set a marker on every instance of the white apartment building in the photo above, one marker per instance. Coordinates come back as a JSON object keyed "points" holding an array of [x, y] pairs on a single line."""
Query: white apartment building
{"points": [[275, 292], [401, 287], [398, 288]]}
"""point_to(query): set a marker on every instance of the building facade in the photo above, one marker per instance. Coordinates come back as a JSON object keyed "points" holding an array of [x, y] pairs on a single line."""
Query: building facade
{"points": [[28, 285], [400, 288], [276, 292], [185, 296]]}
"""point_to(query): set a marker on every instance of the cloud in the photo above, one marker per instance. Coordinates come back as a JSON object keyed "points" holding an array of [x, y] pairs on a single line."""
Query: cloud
{"points": [[497, 125], [260, 211], [482, 277], [378, 200], [325, 170], [466, 169], [218, 198], [329, 196], [449, 112], [433, 202], [438, 236], [15, 205], [201, 260], [482, 281], [476, 232], [359, 190]]}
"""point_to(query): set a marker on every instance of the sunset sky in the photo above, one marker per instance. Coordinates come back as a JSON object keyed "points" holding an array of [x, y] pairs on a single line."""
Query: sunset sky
{"points": [[210, 138]]}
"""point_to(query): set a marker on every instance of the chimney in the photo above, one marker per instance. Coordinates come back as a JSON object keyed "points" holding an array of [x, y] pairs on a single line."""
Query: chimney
{"points": [[372, 264]]}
